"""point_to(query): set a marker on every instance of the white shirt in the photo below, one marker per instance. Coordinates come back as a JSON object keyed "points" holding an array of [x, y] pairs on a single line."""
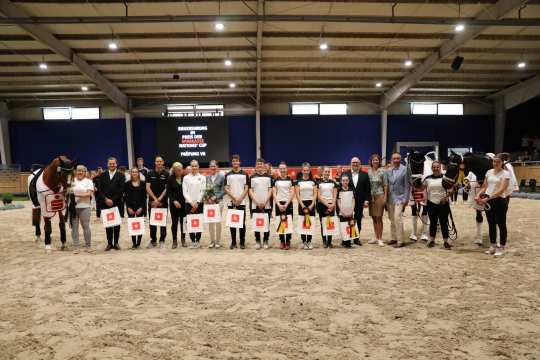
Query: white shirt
{"points": [[435, 190], [193, 187], [345, 201], [80, 187], [237, 181], [326, 188], [306, 189], [355, 178], [494, 180], [260, 184], [283, 189], [111, 174]]}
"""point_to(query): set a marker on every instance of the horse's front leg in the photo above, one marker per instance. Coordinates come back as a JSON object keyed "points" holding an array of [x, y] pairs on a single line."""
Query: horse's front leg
{"points": [[36, 222], [48, 231], [62, 226]]}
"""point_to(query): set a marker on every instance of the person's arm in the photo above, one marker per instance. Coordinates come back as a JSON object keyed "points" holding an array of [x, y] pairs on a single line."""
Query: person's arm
{"points": [[219, 192], [201, 190], [244, 194], [150, 192], [407, 190], [334, 198], [367, 190], [119, 188], [292, 194], [315, 192], [503, 185], [297, 194]]}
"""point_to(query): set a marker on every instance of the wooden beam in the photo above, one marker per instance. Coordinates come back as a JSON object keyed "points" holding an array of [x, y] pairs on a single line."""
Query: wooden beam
{"points": [[493, 12], [41, 34]]}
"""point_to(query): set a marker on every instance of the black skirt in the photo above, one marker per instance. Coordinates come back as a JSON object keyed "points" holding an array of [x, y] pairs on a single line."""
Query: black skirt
{"points": [[288, 210], [307, 203], [323, 210]]}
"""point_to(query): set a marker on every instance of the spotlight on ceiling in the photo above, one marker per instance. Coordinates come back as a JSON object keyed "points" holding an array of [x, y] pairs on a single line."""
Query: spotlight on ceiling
{"points": [[84, 88], [219, 26], [521, 65], [43, 66], [408, 63], [228, 62], [459, 28], [113, 46], [379, 84], [232, 85], [323, 46]]}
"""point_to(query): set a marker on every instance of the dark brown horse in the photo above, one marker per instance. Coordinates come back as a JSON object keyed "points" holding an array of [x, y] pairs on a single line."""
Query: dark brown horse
{"points": [[47, 190]]}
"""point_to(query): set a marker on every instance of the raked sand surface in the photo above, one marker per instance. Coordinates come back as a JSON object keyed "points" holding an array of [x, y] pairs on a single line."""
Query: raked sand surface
{"points": [[364, 303]]}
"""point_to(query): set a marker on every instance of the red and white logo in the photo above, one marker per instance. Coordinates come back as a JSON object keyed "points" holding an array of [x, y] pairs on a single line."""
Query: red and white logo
{"points": [[136, 225], [259, 222], [158, 216], [211, 213], [235, 218], [195, 223], [110, 216]]}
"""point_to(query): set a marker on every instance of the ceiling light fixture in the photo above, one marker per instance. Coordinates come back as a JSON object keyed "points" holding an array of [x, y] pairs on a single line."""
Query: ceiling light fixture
{"points": [[323, 46], [43, 66], [408, 63], [84, 88], [379, 84], [228, 62], [219, 26], [459, 28], [232, 85], [521, 65]]}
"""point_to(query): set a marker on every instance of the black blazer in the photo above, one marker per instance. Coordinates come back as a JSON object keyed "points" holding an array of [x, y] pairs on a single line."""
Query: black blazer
{"points": [[174, 192], [362, 190], [111, 188], [135, 197]]}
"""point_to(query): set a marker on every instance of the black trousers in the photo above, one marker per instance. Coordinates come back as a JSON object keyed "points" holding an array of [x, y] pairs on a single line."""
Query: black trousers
{"points": [[323, 212], [242, 231], [358, 215], [113, 234], [153, 229], [496, 217], [438, 213], [177, 217], [194, 237]]}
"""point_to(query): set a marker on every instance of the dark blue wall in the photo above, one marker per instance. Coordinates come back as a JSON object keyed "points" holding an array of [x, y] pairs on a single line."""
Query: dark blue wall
{"points": [[89, 141], [520, 121], [319, 139], [474, 131]]}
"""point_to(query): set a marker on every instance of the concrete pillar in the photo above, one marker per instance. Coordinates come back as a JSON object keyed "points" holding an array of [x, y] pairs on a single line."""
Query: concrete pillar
{"points": [[5, 149], [500, 124], [384, 134], [129, 140], [258, 133]]}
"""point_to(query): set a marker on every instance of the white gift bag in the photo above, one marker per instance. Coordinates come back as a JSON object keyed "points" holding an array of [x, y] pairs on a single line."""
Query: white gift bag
{"points": [[260, 222], [235, 218], [303, 227], [212, 213], [136, 226], [158, 216], [287, 223], [111, 217], [349, 232], [330, 226], [195, 223]]}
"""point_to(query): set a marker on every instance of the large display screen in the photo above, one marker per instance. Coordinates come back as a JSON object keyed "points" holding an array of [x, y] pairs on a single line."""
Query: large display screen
{"points": [[186, 138]]}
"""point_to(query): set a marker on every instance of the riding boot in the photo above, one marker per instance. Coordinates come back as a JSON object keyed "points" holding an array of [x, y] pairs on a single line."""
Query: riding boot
{"points": [[139, 238], [174, 243]]}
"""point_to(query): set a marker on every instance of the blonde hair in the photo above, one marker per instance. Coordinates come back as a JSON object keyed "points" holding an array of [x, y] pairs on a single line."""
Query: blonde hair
{"points": [[175, 165], [81, 167]]}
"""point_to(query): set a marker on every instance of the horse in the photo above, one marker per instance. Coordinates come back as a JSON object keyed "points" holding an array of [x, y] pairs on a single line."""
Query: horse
{"points": [[475, 167], [418, 168], [47, 191]]}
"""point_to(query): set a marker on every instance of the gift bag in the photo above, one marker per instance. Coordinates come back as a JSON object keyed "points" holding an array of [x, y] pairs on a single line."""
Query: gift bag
{"points": [[111, 217], [306, 225], [260, 222], [235, 218], [330, 226], [195, 223], [349, 230], [284, 224], [158, 216], [212, 213], [135, 226]]}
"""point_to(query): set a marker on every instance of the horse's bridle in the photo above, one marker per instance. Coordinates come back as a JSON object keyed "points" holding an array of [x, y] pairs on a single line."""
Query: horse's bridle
{"points": [[60, 168], [452, 181]]}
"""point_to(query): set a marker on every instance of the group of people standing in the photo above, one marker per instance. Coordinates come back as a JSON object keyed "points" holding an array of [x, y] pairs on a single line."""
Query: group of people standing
{"points": [[346, 197]]}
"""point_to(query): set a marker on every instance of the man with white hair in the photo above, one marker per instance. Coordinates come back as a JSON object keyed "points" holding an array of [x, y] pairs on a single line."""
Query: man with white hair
{"points": [[359, 182]]}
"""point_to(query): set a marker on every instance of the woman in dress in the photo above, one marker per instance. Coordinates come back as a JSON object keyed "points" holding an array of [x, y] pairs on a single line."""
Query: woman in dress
{"points": [[379, 193]]}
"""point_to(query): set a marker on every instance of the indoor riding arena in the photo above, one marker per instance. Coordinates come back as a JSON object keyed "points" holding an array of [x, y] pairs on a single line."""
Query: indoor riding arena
{"points": [[270, 179]]}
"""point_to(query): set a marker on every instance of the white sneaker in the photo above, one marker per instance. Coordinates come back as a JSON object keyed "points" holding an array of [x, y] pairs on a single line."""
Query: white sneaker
{"points": [[48, 249], [478, 242], [413, 237], [212, 245], [265, 246], [380, 242], [258, 246], [193, 245], [499, 251], [37, 238], [309, 246], [424, 237], [372, 241], [197, 245], [490, 251], [76, 250], [305, 247], [217, 246], [162, 245]]}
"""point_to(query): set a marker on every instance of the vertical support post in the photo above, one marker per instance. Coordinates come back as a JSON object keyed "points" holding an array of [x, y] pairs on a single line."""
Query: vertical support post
{"points": [[500, 124], [384, 134], [5, 150], [260, 11], [129, 140]]}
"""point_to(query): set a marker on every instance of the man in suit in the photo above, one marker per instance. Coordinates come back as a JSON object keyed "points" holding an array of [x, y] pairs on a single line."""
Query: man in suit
{"points": [[111, 189], [359, 181]]}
